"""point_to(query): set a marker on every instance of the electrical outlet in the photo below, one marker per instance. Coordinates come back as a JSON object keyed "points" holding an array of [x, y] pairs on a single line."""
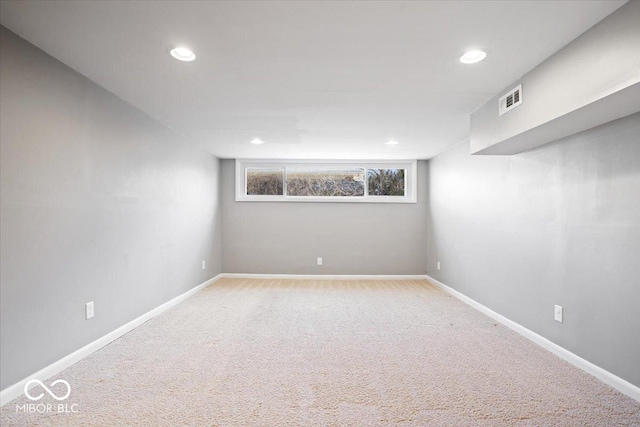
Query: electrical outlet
{"points": [[89, 310], [319, 261], [438, 265], [204, 265], [557, 314]]}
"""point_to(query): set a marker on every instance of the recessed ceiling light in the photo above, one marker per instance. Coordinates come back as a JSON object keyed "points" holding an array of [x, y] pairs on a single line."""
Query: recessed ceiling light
{"points": [[257, 141], [183, 54], [392, 142], [473, 56]]}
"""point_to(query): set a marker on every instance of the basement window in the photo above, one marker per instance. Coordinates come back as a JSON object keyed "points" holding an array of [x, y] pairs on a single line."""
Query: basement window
{"points": [[326, 181], [265, 181]]}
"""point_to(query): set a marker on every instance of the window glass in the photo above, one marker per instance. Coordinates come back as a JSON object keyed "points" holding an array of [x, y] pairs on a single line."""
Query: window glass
{"points": [[386, 182], [326, 181], [333, 182], [265, 181]]}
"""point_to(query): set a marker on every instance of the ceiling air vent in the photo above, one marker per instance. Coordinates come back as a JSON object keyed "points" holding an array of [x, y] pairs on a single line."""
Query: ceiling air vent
{"points": [[510, 100]]}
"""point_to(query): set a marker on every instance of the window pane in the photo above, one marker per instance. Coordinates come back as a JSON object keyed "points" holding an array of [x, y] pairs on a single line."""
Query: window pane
{"points": [[386, 182], [264, 181], [325, 182]]}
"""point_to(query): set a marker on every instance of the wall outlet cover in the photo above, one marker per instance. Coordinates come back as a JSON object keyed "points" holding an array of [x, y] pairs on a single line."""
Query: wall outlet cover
{"points": [[557, 314], [89, 310]]}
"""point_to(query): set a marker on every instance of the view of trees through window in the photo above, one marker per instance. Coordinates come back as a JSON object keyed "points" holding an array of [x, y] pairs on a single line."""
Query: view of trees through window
{"points": [[385, 182], [318, 181]]}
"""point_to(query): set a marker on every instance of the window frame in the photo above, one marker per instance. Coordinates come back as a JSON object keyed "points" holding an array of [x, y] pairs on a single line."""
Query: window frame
{"points": [[411, 179]]}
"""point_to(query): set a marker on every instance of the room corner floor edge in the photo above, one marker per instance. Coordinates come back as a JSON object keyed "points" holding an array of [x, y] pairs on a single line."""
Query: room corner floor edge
{"points": [[16, 390], [603, 375]]}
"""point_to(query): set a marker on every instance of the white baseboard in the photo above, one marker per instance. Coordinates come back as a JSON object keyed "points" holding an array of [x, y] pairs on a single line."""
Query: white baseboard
{"points": [[327, 276], [603, 375], [14, 391]]}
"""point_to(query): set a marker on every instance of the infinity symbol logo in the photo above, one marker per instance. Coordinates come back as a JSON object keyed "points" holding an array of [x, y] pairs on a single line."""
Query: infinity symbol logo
{"points": [[52, 394]]}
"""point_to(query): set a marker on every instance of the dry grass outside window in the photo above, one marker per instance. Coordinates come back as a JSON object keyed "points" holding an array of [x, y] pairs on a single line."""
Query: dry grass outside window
{"points": [[261, 182], [326, 183]]}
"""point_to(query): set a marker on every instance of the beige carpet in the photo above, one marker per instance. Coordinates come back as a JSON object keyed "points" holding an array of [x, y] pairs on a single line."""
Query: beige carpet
{"points": [[328, 353]]}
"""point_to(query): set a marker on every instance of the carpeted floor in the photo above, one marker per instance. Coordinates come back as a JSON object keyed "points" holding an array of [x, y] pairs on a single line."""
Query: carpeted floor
{"points": [[328, 353]]}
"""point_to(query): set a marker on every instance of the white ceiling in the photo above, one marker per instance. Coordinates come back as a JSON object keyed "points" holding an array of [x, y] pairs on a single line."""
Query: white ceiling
{"points": [[312, 79]]}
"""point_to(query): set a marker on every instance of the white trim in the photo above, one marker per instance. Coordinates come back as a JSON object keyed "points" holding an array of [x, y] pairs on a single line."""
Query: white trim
{"points": [[327, 276], [411, 180], [606, 377], [14, 391]]}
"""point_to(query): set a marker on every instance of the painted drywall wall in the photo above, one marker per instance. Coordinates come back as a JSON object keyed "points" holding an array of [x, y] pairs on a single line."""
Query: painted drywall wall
{"points": [[98, 203], [603, 61], [556, 225], [352, 238]]}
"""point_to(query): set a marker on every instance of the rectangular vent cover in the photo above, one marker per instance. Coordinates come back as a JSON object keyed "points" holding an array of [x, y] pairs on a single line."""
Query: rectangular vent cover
{"points": [[510, 100]]}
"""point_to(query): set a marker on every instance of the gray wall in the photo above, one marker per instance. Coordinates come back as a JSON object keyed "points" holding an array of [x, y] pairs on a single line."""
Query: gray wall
{"points": [[99, 203], [603, 60], [556, 225], [352, 238]]}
